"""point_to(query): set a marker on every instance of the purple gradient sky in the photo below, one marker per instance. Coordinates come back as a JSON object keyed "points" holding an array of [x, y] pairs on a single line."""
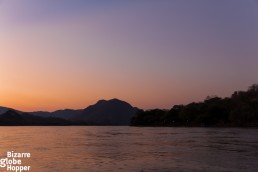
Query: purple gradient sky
{"points": [[70, 53]]}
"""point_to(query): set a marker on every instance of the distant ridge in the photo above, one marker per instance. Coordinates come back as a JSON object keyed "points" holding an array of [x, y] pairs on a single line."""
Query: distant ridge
{"points": [[13, 118], [5, 109], [104, 112]]}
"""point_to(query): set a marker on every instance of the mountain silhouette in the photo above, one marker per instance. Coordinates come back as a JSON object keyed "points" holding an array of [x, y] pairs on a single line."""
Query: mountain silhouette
{"points": [[5, 109], [67, 114], [107, 112], [104, 112], [13, 118]]}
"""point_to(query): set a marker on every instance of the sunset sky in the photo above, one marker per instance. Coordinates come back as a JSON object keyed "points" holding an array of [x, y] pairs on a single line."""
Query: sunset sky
{"points": [[57, 54]]}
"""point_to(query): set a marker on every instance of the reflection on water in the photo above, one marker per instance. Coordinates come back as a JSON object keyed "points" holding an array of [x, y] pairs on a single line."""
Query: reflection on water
{"points": [[133, 149]]}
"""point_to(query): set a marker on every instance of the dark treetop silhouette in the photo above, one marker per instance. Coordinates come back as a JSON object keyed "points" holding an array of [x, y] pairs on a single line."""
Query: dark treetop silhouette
{"points": [[239, 110]]}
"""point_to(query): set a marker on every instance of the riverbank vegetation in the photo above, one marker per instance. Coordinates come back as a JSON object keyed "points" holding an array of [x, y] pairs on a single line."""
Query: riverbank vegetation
{"points": [[238, 110]]}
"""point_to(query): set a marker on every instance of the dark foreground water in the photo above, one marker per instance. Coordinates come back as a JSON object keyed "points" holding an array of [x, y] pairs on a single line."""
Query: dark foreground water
{"points": [[82, 149]]}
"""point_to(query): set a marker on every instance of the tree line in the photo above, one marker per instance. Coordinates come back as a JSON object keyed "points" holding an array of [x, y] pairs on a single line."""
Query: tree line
{"points": [[238, 110]]}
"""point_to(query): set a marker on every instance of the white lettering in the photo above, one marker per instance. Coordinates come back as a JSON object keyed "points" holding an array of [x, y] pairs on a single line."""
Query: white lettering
{"points": [[17, 168], [13, 154], [13, 162]]}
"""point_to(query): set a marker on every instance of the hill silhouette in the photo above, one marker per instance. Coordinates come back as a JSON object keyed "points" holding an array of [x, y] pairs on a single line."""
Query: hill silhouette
{"points": [[13, 118], [67, 114], [104, 112], [107, 112]]}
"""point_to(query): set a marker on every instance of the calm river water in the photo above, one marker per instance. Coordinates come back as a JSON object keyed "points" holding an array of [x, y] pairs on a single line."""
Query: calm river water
{"points": [[83, 148]]}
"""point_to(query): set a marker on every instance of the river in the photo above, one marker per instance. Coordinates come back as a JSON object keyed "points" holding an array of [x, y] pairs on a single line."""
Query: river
{"points": [[142, 149]]}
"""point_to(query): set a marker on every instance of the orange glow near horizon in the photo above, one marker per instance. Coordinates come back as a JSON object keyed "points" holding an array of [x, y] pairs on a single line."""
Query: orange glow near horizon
{"points": [[150, 54]]}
